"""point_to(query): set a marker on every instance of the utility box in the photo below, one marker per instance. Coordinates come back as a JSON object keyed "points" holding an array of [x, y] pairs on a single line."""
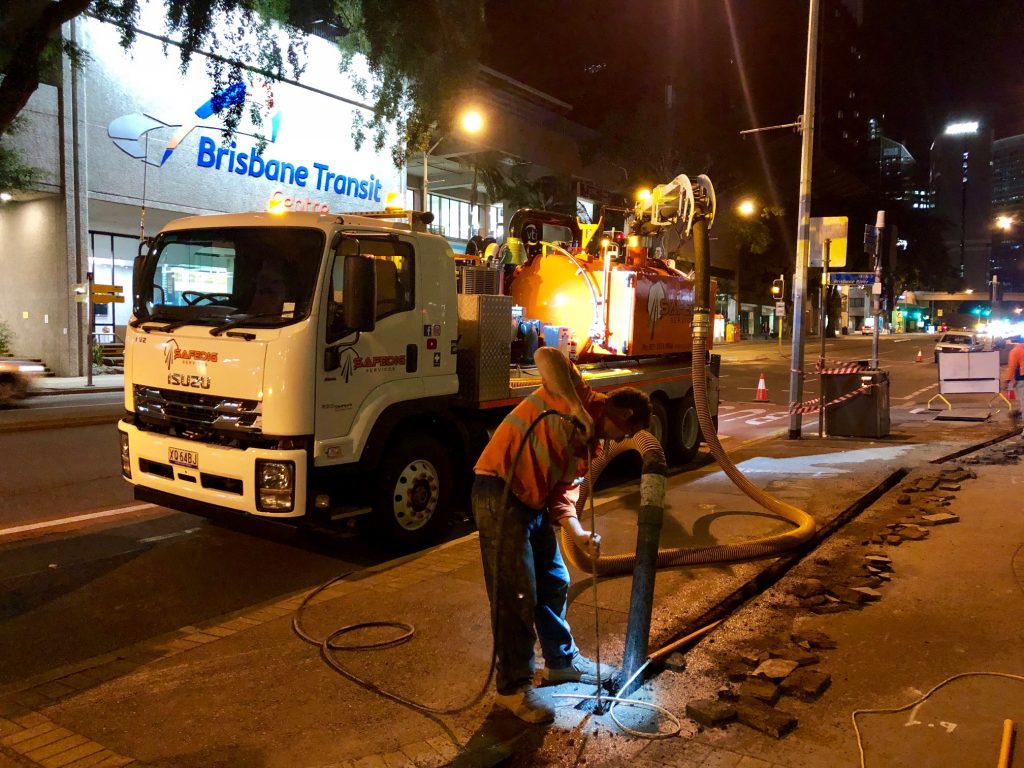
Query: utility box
{"points": [[865, 414]]}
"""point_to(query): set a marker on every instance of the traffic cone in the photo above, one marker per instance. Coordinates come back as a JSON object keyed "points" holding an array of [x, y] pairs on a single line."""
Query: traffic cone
{"points": [[919, 358], [762, 390]]}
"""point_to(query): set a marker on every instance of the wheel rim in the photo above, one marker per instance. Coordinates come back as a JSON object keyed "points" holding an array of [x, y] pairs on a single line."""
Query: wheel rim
{"points": [[690, 428], [417, 491], [658, 428]]}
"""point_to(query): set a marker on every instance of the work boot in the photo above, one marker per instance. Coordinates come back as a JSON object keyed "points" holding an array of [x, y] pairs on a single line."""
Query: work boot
{"points": [[527, 705], [581, 670]]}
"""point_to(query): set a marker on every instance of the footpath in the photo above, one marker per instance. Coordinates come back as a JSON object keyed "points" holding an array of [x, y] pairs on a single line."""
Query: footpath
{"points": [[922, 581]]}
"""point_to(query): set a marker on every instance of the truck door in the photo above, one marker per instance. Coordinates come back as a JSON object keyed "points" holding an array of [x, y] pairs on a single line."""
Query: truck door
{"points": [[373, 368]]}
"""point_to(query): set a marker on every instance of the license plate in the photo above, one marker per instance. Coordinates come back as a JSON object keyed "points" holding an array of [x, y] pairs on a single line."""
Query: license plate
{"points": [[183, 458]]}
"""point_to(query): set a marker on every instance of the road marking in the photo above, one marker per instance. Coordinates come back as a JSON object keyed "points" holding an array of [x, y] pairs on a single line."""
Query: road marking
{"points": [[164, 537], [74, 519], [76, 406], [915, 394]]}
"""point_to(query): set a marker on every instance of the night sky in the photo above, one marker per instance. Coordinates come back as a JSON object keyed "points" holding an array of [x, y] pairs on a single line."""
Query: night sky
{"points": [[925, 61]]}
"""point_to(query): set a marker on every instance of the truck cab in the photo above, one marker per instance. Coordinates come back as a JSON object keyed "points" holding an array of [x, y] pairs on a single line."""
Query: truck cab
{"points": [[269, 357]]}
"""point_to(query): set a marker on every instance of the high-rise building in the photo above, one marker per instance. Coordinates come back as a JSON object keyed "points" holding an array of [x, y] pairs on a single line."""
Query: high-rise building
{"points": [[895, 173], [961, 181], [1008, 212]]}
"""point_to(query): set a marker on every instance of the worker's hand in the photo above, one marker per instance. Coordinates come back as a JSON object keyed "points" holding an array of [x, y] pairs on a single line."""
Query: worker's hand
{"points": [[587, 541], [583, 422]]}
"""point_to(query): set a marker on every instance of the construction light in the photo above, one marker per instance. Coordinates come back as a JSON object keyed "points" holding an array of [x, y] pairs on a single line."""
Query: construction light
{"points": [[393, 201], [643, 194], [634, 241]]}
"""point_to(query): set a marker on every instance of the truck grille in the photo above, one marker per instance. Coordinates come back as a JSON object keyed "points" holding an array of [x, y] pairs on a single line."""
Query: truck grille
{"points": [[185, 410]]}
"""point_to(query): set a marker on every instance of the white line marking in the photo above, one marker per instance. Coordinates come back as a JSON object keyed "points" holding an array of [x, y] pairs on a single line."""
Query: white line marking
{"points": [[915, 394], [164, 537], [74, 519]]}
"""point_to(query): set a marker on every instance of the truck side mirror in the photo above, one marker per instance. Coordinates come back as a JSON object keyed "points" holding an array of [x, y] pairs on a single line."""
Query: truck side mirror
{"points": [[360, 296], [138, 267]]}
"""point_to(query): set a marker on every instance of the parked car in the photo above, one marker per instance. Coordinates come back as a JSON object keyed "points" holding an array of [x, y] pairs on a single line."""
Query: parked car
{"points": [[16, 378], [957, 341]]}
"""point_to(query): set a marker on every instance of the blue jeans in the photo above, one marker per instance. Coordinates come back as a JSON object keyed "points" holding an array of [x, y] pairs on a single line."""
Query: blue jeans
{"points": [[527, 584]]}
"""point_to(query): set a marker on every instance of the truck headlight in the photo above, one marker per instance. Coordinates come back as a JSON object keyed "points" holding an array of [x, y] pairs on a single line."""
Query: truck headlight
{"points": [[275, 485], [126, 459]]}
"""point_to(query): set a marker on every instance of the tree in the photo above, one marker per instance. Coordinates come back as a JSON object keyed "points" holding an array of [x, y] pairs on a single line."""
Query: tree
{"points": [[421, 55]]}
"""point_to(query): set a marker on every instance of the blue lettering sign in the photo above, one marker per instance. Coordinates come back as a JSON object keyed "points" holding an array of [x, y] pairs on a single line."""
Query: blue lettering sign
{"points": [[251, 164]]}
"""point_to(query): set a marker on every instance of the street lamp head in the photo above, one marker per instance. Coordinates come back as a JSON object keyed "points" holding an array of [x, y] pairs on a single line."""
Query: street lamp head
{"points": [[472, 120], [746, 207], [1005, 223]]}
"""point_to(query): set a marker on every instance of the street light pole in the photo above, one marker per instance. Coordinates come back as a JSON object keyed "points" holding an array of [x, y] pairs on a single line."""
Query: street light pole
{"points": [[803, 248], [425, 202]]}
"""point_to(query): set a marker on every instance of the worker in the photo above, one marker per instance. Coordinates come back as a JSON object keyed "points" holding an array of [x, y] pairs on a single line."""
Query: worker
{"points": [[527, 581], [1015, 376]]}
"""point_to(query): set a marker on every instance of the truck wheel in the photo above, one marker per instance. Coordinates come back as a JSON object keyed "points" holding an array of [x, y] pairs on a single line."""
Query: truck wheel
{"points": [[415, 492], [684, 437], [660, 426]]}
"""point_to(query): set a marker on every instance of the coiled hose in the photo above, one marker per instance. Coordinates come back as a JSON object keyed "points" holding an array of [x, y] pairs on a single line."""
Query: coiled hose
{"points": [[645, 443]]}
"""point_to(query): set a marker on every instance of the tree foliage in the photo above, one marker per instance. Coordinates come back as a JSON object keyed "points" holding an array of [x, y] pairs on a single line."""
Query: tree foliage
{"points": [[423, 59], [422, 56]]}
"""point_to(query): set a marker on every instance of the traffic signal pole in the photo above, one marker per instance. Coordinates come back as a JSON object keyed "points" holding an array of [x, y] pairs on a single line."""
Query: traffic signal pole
{"points": [[876, 289], [803, 248]]}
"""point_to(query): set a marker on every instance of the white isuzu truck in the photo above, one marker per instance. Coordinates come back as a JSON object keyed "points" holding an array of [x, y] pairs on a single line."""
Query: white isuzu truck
{"points": [[320, 367]]}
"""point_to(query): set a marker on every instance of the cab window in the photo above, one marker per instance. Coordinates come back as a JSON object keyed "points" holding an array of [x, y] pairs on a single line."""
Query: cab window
{"points": [[394, 268]]}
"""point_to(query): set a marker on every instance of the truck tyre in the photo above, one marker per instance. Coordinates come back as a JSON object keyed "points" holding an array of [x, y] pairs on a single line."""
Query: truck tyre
{"points": [[414, 496], [660, 425], [684, 435]]}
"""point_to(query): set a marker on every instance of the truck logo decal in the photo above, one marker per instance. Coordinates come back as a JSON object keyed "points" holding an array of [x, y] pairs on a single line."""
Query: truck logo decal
{"points": [[172, 352], [351, 362], [654, 298]]}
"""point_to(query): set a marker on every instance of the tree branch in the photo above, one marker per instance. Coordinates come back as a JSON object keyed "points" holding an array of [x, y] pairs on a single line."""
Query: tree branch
{"points": [[21, 77]]}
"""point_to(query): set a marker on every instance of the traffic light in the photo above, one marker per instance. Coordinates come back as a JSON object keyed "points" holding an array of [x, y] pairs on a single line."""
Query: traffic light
{"points": [[778, 286]]}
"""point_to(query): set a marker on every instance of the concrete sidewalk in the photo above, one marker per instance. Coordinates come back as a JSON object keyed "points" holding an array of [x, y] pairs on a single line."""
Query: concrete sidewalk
{"points": [[245, 691], [77, 385]]}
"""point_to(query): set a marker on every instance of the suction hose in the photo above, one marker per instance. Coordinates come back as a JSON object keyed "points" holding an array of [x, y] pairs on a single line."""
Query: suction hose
{"points": [[649, 449]]}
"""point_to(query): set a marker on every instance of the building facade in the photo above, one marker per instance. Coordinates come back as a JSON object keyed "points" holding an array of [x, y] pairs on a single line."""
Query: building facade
{"points": [[961, 182], [1008, 212], [127, 143]]}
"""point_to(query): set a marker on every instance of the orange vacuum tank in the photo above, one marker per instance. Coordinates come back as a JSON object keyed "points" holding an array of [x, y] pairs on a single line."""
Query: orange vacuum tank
{"points": [[649, 309]]}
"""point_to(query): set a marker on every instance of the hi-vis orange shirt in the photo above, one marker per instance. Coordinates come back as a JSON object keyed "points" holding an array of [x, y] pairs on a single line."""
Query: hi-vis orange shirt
{"points": [[550, 466], [1015, 363]]}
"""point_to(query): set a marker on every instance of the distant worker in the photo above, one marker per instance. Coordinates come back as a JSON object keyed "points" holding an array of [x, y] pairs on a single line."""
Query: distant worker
{"points": [[1015, 376], [527, 581], [478, 243]]}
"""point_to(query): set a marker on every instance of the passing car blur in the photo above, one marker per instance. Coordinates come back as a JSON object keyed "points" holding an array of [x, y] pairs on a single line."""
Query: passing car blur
{"points": [[16, 378], [957, 341]]}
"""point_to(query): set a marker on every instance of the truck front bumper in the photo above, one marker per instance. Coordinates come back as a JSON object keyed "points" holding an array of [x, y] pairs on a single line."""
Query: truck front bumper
{"points": [[222, 478]]}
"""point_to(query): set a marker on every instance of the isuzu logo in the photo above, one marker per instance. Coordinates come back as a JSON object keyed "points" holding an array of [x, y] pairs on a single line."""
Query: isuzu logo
{"points": [[188, 380]]}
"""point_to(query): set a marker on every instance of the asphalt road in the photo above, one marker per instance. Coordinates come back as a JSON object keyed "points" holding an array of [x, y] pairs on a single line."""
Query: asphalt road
{"points": [[85, 570]]}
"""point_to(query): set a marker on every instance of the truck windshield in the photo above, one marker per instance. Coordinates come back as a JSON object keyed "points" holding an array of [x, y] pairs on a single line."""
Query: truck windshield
{"points": [[263, 276]]}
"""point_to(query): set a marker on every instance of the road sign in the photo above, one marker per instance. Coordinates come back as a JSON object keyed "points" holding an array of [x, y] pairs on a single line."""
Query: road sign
{"points": [[107, 294], [780, 309], [851, 278], [831, 228]]}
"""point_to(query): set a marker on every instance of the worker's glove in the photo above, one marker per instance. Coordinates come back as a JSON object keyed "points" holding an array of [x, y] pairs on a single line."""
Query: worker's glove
{"points": [[583, 422], [588, 542]]}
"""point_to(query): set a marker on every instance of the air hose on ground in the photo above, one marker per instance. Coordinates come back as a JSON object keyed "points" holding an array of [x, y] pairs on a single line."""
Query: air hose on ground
{"points": [[769, 546], [331, 643]]}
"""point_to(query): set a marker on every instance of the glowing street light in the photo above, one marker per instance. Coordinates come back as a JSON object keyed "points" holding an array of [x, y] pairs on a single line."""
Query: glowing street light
{"points": [[746, 208], [471, 121], [1005, 223]]}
